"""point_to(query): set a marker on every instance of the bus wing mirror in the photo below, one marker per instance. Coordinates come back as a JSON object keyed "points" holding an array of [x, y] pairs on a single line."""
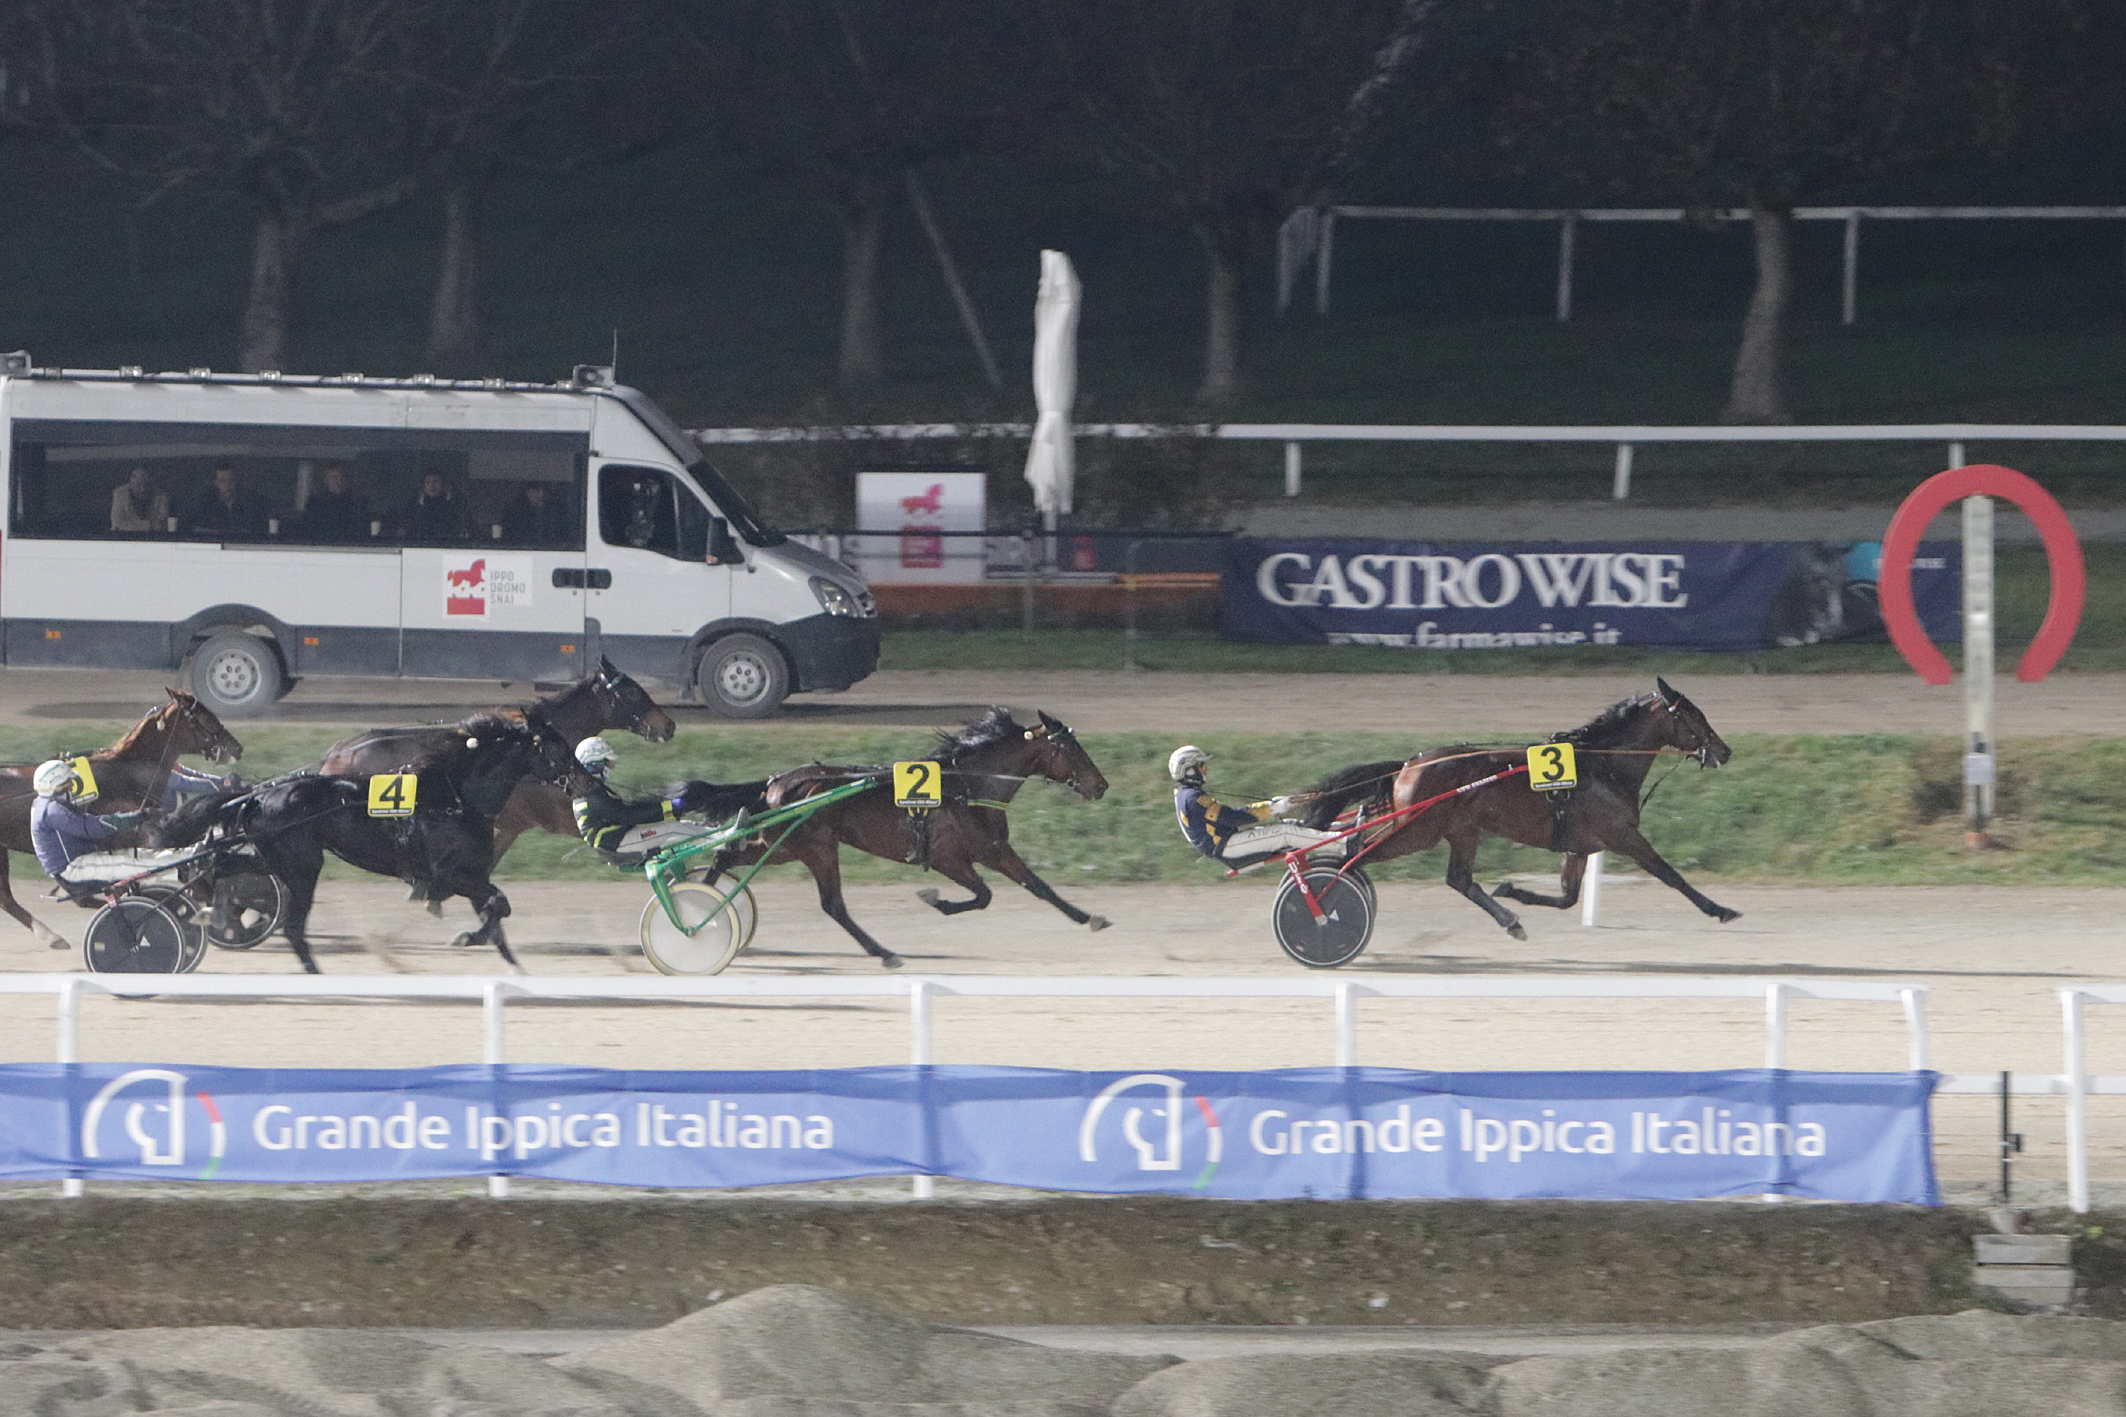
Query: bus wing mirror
{"points": [[723, 549]]}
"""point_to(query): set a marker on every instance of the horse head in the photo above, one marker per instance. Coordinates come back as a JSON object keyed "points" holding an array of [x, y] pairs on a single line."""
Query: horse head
{"points": [[1687, 728], [193, 728], [1062, 758], [626, 704]]}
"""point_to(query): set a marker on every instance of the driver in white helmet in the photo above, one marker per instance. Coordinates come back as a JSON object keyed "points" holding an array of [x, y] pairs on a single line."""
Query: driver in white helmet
{"points": [[603, 816], [59, 829], [1238, 836]]}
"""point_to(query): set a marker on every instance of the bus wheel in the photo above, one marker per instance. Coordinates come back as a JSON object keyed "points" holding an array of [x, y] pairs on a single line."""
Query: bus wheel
{"points": [[742, 676], [236, 675]]}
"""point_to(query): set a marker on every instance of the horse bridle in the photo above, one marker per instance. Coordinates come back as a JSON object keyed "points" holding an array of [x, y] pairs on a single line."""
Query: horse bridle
{"points": [[1059, 736], [1698, 754]]}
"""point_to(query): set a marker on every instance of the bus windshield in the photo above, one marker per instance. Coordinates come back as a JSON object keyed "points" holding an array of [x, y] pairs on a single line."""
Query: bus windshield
{"points": [[721, 494]]}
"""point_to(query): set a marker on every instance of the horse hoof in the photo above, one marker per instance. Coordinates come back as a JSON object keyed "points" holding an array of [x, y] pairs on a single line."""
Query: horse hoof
{"points": [[464, 940], [1723, 915], [1516, 931], [1097, 922], [927, 896], [310, 967], [435, 908], [892, 961]]}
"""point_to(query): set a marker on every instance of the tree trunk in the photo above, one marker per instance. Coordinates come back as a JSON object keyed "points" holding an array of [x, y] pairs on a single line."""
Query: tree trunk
{"points": [[265, 334], [1221, 321], [453, 346], [863, 365], [1757, 395]]}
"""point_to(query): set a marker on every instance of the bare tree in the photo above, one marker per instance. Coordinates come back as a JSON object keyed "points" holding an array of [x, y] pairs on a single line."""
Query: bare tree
{"points": [[1221, 116]]}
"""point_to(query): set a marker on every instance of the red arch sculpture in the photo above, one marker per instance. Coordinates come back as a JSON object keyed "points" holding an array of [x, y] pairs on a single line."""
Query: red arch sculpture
{"points": [[2063, 556]]}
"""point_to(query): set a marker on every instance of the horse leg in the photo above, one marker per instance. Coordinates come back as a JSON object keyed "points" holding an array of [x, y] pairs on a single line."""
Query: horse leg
{"points": [[493, 907], [298, 870], [52, 939], [1461, 859], [960, 872], [1569, 876], [824, 861], [1626, 838], [1002, 858]]}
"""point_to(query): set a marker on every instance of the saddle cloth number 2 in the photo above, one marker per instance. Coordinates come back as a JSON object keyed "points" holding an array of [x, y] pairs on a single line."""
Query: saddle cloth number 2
{"points": [[391, 794], [1551, 767], [918, 785]]}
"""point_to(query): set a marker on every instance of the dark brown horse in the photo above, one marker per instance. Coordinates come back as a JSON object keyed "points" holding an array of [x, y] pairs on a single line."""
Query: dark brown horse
{"points": [[607, 699], [131, 773], [984, 765], [1615, 752]]}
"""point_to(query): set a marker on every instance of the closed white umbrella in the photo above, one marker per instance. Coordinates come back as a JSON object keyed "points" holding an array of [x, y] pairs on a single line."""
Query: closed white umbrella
{"points": [[1050, 464]]}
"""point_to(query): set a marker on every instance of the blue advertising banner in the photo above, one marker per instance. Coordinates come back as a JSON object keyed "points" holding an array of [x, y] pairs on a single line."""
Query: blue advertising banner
{"points": [[1326, 1133], [1552, 595]]}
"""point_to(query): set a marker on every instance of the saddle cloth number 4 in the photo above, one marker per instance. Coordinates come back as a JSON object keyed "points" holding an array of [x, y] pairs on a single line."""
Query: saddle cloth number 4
{"points": [[392, 794], [1551, 767], [918, 785]]}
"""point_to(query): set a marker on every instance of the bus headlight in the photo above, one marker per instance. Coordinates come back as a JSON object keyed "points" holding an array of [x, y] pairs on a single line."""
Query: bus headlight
{"points": [[837, 599]]}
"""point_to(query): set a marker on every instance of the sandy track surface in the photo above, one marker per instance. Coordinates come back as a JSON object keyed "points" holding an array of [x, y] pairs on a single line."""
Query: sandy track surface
{"points": [[1428, 706], [1991, 957]]}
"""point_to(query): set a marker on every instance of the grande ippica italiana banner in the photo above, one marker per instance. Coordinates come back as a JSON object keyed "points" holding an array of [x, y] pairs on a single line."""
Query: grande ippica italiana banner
{"points": [[1328, 1133], [1554, 596]]}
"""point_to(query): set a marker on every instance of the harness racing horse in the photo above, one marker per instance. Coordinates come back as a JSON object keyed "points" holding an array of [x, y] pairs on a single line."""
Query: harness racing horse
{"points": [[131, 773], [607, 699], [1615, 751], [984, 765], [445, 848]]}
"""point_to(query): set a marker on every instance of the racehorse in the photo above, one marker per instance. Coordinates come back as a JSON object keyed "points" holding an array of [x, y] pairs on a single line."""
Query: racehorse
{"points": [[607, 699], [446, 847], [984, 765], [1615, 751], [129, 774]]}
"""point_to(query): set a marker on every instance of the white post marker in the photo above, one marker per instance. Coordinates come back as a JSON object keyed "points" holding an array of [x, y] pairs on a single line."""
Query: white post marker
{"points": [[1591, 891], [925, 1187], [1978, 671]]}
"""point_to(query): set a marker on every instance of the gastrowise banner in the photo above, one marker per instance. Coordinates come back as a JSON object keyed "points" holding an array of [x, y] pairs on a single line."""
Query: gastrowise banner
{"points": [[1327, 1133], [1556, 596]]}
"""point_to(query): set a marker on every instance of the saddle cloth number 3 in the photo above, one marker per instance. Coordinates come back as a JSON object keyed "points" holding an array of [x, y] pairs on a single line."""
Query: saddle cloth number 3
{"points": [[918, 785], [391, 794], [1551, 767]]}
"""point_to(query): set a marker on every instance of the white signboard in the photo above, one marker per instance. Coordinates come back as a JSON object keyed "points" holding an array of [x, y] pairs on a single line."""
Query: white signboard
{"points": [[912, 508]]}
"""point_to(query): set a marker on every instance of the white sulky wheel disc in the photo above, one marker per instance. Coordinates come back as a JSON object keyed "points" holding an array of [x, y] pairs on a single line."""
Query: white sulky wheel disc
{"points": [[720, 931]]}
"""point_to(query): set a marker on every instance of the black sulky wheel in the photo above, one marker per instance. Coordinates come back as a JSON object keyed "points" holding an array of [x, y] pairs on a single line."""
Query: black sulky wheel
{"points": [[1339, 934], [248, 906], [181, 908], [135, 935]]}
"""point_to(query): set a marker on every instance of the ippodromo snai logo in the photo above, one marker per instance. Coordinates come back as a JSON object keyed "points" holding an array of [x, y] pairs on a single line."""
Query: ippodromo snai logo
{"points": [[1165, 1153], [169, 1148]]}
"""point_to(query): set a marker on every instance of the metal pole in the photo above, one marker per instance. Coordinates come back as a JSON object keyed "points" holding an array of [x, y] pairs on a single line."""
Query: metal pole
{"points": [[1852, 268], [1775, 1025], [1978, 671], [1621, 487], [919, 1056], [1915, 1002], [491, 1054], [1324, 257], [1291, 469], [1026, 544], [1591, 890], [1129, 604], [2077, 1106], [1567, 230], [1956, 455], [1346, 1024], [70, 1054]]}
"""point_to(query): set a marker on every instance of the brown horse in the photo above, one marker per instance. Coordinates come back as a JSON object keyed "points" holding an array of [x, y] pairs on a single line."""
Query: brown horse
{"points": [[607, 699], [984, 765], [130, 774], [1615, 752]]}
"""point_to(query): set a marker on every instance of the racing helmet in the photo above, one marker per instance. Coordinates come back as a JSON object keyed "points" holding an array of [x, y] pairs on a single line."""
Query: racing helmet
{"points": [[55, 779], [597, 756], [1186, 762]]}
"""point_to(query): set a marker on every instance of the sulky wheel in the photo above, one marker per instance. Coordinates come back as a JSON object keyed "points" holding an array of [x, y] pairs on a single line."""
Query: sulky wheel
{"points": [[248, 906], [1339, 933], [720, 929], [135, 935], [179, 907]]}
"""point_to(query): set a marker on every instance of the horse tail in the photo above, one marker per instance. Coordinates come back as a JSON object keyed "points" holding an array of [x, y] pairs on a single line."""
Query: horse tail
{"points": [[197, 816], [1361, 784]]}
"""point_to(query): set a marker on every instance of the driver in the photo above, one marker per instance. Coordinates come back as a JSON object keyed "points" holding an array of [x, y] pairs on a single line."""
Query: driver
{"points": [[1238, 836], [603, 816], [60, 830]]}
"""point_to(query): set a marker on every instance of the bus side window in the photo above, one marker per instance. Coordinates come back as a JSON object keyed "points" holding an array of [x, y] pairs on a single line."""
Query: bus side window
{"points": [[645, 507]]}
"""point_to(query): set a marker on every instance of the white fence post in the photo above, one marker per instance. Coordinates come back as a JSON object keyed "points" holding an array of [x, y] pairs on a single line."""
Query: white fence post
{"points": [[2077, 1105], [919, 1056], [491, 1054], [1915, 1002], [1979, 758], [1620, 486], [1591, 890], [1775, 1025], [1346, 1024], [70, 1053], [1291, 469]]}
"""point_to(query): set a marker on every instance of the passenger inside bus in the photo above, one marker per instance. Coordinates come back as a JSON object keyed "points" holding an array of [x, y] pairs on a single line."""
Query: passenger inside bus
{"points": [[137, 504], [227, 507], [537, 518], [436, 515], [335, 512]]}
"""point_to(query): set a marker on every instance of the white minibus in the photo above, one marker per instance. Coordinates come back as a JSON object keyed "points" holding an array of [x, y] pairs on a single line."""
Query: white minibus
{"points": [[251, 529]]}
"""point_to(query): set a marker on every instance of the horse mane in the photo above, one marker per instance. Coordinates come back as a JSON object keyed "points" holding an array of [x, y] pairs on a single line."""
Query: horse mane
{"points": [[992, 727], [1609, 723], [134, 736]]}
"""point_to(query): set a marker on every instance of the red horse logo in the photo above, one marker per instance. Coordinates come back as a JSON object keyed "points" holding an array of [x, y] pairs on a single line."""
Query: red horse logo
{"points": [[930, 501], [470, 581]]}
